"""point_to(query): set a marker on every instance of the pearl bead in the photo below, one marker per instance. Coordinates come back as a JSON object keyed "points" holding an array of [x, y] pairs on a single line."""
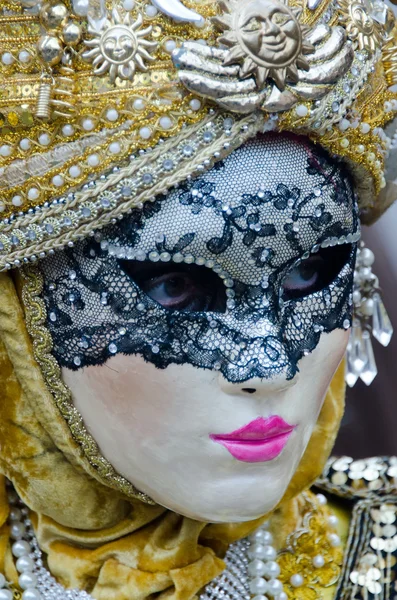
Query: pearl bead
{"points": [[334, 540], [360, 148], [128, 4], [356, 297], [5, 150], [17, 200], [58, 180], [15, 514], [318, 561], [282, 596], [257, 568], [17, 530], [322, 500], [365, 128], [258, 585], [165, 123], [272, 569], [145, 133], [31, 594], [24, 144], [344, 143], [333, 520], [274, 587], [20, 548], [88, 124], [7, 58], [262, 552], [2, 580], [260, 597], [344, 124], [6, 595], [112, 115], [27, 580], [296, 580], [115, 148], [24, 563], [301, 110], [93, 160], [44, 139], [139, 104], [367, 307], [33, 194], [258, 537], [74, 171], [67, 130], [195, 104], [151, 11], [367, 257], [170, 45], [24, 56], [388, 106]]}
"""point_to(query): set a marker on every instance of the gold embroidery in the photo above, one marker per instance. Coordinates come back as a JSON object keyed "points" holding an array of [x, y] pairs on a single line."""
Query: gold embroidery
{"points": [[311, 540]]}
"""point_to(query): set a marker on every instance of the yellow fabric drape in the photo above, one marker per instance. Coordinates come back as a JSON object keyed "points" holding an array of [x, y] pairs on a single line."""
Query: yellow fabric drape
{"points": [[114, 547]]}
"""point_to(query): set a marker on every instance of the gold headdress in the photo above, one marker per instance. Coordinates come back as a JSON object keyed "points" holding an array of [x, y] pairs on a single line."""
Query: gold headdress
{"points": [[105, 106]]}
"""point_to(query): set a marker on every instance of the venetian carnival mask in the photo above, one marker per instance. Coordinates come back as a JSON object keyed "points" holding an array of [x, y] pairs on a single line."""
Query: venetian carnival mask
{"points": [[190, 331], [182, 193]]}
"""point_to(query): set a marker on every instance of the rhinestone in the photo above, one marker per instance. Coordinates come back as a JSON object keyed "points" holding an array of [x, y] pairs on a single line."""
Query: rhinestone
{"points": [[208, 136], [147, 178], [168, 164], [112, 348], [188, 150]]}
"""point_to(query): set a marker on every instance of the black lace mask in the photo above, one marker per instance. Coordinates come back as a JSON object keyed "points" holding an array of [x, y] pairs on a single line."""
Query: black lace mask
{"points": [[240, 270]]}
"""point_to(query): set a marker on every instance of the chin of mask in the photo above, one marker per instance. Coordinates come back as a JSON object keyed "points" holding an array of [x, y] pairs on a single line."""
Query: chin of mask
{"points": [[199, 334]]}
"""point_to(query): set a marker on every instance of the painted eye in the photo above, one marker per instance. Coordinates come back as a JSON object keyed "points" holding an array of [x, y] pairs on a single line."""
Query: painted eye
{"points": [[316, 272], [187, 288]]}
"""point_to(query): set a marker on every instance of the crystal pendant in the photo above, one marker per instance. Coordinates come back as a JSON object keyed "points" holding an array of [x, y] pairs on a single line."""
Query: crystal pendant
{"points": [[377, 10], [97, 14], [360, 360], [351, 375], [382, 328], [357, 348], [369, 371]]}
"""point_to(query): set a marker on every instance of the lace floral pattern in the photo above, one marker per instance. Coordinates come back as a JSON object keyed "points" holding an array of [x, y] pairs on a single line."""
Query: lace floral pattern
{"points": [[262, 211]]}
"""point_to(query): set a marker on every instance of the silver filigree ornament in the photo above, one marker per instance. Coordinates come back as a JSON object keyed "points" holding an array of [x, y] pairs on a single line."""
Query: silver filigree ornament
{"points": [[369, 316], [283, 61], [119, 46]]}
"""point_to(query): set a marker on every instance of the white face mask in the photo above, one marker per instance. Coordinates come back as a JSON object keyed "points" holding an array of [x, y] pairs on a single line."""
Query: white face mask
{"points": [[221, 313]]}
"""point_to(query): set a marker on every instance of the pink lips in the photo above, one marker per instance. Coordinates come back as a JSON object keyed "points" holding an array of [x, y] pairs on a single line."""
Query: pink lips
{"points": [[259, 441]]}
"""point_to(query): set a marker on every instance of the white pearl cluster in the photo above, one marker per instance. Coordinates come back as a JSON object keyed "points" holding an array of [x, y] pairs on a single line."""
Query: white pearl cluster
{"points": [[35, 581], [21, 550], [263, 568]]}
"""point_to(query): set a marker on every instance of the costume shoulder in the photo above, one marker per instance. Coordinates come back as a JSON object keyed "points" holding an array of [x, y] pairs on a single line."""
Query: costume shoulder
{"points": [[369, 486]]}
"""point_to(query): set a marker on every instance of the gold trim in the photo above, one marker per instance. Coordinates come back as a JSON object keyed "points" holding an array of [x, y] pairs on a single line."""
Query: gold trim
{"points": [[36, 317]]}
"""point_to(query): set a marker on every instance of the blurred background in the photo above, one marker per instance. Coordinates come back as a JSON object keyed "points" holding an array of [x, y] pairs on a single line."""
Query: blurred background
{"points": [[370, 423]]}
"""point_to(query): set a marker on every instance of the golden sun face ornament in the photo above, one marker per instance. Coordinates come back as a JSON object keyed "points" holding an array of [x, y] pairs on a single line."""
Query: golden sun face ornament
{"points": [[120, 47], [267, 37], [366, 22]]}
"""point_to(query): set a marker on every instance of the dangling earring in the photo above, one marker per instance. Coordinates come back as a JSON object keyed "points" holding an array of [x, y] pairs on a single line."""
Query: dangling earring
{"points": [[369, 316]]}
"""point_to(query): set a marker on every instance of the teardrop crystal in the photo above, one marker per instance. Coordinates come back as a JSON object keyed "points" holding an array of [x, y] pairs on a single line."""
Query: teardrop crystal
{"points": [[359, 357], [369, 371], [382, 328], [350, 373]]}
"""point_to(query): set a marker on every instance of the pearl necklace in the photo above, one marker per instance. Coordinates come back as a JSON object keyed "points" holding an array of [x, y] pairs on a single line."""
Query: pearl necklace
{"points": [[252, 567]]}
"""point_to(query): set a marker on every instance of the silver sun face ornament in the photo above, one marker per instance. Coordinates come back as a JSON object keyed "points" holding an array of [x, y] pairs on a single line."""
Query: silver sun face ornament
{"points": [[119, 47]]}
